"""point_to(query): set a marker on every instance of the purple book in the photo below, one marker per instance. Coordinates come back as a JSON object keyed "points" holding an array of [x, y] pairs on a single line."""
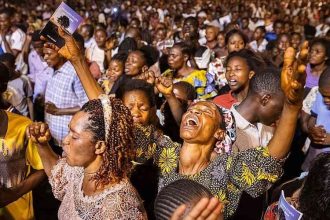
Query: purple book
{"points": [[65, 17]]}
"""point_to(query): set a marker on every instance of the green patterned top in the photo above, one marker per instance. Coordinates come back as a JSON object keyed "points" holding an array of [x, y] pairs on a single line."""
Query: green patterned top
{"points": [[227, 176]]}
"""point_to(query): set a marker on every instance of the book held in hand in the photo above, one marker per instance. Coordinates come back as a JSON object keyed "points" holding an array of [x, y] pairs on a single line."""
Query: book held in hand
{"points": [[64, 17]]}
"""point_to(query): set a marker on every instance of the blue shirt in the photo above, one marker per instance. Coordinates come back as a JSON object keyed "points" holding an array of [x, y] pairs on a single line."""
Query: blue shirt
{"points": [[321, 112]]}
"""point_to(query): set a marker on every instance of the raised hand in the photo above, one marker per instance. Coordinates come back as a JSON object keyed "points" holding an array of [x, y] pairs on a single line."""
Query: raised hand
{"points": [[164, 85], [293, 75], [70, 50], [148, 76], [205, 209], [39, 133]]}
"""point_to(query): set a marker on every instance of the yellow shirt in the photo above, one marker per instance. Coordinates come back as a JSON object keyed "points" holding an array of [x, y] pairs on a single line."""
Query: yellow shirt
{"points": [[17, 155]]}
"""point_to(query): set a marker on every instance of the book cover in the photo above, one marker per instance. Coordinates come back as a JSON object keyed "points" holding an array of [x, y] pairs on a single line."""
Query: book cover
{"points": [[65, 17], [286, 210]]}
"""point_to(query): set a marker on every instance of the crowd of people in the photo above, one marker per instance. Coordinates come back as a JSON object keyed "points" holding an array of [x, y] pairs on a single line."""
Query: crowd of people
{"points": [[189, 109]]}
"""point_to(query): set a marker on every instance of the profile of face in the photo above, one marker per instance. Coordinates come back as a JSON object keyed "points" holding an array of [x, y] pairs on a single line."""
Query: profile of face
{"points": [[115, 70], [138, 103], [201, 124], [176, 59], [100, 38], [271, 108], [38, 47], [317, 54], [211, 34], [235, 43], [238, 74], [283, 43], [325, 92], [5, 22], [135, 64], [295, 41], [79, 145], [52, 58], [221, 40], [258, 34]]}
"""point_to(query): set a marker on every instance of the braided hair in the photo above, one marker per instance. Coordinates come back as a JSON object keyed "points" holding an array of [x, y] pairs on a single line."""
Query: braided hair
{"points": [[120, 150], [180, 192]]}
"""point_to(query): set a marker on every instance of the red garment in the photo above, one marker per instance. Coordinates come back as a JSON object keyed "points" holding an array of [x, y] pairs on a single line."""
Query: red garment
{"points": [[225, 100]]}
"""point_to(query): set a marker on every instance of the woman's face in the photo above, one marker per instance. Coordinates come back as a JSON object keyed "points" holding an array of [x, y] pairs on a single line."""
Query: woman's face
{"points": [[100, 38], [317, 54], [221, 40], [137, 102], [235, 43], [115, 70], [238, 73], [134, 64], [79, 145], [176, 58]]}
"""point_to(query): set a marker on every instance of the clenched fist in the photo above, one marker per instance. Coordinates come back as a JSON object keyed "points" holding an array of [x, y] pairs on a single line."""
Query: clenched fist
{"points": [[39, 133]]}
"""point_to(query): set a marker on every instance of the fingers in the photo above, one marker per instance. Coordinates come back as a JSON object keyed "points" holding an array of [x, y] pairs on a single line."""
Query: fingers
{"points": [[198, 209], [38, 132], [289, 57], [178, 212], [304, 52]]}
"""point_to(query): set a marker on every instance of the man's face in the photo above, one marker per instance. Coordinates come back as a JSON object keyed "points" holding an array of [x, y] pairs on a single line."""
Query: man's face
{"points": [[38, 46], [52, 58], [189, 29], [271, 109], [5, 23], [200, 123]]}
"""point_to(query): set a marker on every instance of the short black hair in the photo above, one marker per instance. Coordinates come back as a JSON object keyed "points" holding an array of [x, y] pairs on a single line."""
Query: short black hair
{"points": [[79, 39], [262, 28], [9, 11], [137, 85], [324, 80], [8, 58], [253, 60], [180, 192], [4, 73], [121, 57], [127, 45], [150, 54], [267, 80], [36, 36], [188, 89], [233, 32]]}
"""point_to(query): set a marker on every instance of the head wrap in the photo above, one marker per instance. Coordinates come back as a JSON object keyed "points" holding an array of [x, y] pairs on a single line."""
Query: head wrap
{"points": [[107, 112]]}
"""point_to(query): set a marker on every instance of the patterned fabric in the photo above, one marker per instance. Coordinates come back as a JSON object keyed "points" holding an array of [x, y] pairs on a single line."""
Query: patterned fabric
{"points": [[120, 201], [216, 71], [104, 83], [198, 79], [227, 176], [17, 156], [65, 91]]}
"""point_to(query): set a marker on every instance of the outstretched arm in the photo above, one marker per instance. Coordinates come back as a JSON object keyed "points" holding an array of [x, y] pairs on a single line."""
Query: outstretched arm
{"points": [[293, 78]]}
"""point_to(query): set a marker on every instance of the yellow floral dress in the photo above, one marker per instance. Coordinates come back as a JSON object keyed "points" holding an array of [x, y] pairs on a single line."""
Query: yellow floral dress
{"points": [[252, 171], [198, 80]]}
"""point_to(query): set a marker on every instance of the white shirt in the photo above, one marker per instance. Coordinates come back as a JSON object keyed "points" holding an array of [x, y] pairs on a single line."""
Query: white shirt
{"points": [[261, 48], [39, 74], [91, 42], [96, 54], [249, 135], [16, 41]]}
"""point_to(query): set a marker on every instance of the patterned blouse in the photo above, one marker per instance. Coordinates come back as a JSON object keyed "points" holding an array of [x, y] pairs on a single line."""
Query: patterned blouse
{"points": [[252, 171], [198, 79], [120, 201]]}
